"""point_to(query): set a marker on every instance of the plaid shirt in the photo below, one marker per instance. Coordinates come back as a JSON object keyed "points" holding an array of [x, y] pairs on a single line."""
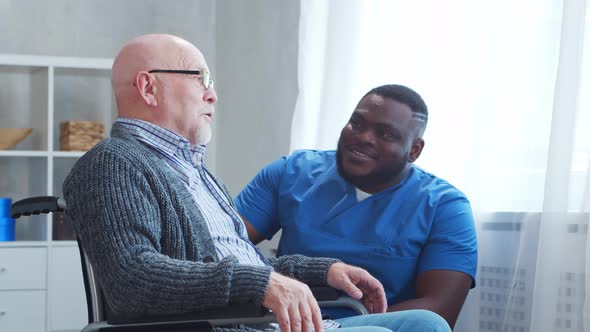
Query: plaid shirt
{"points": [[225, 225]]}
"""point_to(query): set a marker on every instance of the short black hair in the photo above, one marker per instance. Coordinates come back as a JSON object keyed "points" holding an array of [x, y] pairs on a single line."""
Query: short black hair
{"points": [[404, 95]]}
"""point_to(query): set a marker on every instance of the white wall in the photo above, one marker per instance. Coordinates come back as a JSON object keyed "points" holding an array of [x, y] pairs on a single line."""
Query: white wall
{"points": [[257, 74], [98, 28]]}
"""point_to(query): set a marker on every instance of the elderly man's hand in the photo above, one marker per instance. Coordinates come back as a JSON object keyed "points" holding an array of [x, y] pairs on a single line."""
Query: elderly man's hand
{"points": [[359, 285], [293, 305]]}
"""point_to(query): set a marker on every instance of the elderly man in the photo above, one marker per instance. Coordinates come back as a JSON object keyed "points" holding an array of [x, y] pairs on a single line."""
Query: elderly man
{"points": [[161, 229], [369, 205]]}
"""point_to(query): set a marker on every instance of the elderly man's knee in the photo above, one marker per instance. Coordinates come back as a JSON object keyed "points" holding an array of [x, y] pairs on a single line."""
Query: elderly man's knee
{"points": [[423, 321]]}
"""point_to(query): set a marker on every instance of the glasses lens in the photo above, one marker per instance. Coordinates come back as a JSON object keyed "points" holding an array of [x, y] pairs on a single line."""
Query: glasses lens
{"points": [[206, 79]]}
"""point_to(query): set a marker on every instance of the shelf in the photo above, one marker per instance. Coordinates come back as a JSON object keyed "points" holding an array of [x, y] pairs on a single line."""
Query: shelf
{"points": [[5, 244], [55, 61], [22, 153], [60, 154], [65, 243], [68, 154]]}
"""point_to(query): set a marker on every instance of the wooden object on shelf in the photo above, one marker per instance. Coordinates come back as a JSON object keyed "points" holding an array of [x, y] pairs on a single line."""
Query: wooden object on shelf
{"points": [[9, 137], [79, 135]]}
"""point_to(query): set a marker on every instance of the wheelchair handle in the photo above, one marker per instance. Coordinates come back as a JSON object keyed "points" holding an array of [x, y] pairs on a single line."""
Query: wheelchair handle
{"points": [[37, 205]]}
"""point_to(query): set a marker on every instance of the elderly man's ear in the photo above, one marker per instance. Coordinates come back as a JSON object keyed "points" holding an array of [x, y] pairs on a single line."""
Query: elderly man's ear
{"points": [[145, 85]]}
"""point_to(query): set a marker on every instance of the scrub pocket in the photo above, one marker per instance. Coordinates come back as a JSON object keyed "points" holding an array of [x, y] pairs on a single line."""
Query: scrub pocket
{"points": [[396, 272]]}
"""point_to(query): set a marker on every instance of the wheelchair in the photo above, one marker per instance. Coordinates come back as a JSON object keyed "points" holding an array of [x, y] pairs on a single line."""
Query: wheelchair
{"points": [[101, 320]]}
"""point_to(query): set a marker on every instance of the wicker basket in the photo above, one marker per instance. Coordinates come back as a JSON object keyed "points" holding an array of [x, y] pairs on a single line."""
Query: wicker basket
{"points": [[79, 135]]}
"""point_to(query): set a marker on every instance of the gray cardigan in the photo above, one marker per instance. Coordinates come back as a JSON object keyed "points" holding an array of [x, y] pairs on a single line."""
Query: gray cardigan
{"points": [[148, 241]]}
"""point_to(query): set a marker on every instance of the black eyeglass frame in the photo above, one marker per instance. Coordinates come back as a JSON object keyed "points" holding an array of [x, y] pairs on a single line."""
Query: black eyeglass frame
{"points": [[205, 75]]}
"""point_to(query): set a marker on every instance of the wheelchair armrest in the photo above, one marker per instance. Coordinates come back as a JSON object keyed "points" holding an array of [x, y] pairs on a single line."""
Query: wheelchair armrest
{"points": [[325, 293], [177, 326], [329, 297], [241, 311], [201, 321], [346, 302], [37, 205], [103, 326]]}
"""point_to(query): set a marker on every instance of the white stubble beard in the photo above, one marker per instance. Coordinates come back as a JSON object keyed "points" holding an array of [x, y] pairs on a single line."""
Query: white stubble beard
{"points": [[203, 134]]}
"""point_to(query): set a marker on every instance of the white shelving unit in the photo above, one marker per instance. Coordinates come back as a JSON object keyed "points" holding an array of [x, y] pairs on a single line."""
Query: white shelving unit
{"points": [[41, 287]]}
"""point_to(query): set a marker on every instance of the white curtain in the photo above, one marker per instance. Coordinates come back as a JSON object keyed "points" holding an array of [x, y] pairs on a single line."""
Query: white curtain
{"points": [[507, 83]]}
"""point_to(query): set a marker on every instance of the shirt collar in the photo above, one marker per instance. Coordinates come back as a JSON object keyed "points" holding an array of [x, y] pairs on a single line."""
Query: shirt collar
{"points": [[198, 152], [165, 140]]}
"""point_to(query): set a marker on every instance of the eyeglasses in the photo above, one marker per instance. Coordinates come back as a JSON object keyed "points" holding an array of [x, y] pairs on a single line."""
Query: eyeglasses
{"points": [[203, 74]]}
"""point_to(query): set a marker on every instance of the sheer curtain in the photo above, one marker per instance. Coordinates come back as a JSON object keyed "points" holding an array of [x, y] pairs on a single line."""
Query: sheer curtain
{"points": [[507, 85]]}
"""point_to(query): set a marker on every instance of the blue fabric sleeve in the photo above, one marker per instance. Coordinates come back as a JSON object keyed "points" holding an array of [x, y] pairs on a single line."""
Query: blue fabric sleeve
{"points": [[258, 201], [452, 244]]}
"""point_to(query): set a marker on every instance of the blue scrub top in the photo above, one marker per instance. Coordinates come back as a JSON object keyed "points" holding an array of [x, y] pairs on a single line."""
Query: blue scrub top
{"points": [[423, 223]]}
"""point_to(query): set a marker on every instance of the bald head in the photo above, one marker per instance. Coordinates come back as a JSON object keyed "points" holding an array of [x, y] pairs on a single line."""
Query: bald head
{"points": [[143, 54], [146, 52]]}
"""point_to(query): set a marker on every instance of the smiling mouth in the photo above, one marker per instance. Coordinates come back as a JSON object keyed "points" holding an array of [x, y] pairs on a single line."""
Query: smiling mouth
{"points": [[360, 154]]}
